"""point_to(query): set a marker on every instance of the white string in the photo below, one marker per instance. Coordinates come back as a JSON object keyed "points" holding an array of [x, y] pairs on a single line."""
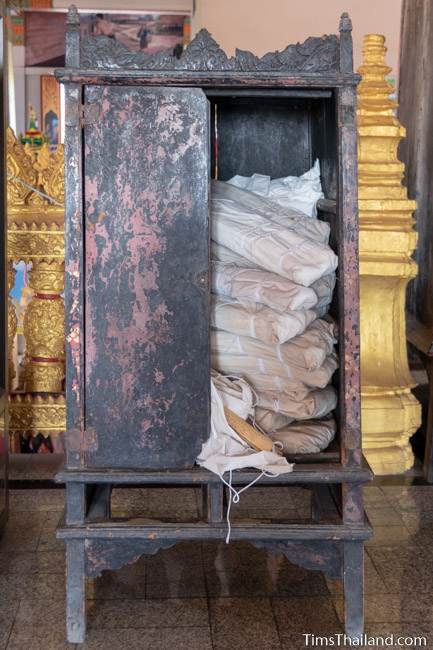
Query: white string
{"points": [[235, 495]]}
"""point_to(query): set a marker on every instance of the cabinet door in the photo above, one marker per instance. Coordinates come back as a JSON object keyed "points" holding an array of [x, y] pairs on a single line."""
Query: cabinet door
{"points": [[146, 307]]}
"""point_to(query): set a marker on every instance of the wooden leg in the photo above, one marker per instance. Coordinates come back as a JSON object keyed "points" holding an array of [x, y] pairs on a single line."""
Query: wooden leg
{"points": [[76, 503], [75, 592], [353, 583], [213, 499]]}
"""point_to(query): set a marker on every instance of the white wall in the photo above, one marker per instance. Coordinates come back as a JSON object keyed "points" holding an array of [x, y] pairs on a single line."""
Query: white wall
{"points": [[262, 26]]}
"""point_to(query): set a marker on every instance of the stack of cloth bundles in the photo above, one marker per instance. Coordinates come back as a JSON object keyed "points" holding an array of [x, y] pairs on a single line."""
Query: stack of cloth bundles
{"points": [[273, 276]]}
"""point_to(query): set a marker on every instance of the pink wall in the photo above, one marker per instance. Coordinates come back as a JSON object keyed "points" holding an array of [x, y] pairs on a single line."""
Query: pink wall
{"points": [[265, 25]]}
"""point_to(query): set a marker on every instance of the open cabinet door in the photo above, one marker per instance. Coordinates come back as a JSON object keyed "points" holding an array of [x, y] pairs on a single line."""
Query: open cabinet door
{"points": [[146, 267], [4, 442]]}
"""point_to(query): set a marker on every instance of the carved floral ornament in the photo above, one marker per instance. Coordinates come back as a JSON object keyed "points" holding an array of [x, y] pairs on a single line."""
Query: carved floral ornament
{"points": [[203, 54], [28, 169]]}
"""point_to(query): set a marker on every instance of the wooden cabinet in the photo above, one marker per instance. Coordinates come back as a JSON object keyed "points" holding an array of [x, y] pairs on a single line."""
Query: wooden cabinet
{"points": [[144, 135]]}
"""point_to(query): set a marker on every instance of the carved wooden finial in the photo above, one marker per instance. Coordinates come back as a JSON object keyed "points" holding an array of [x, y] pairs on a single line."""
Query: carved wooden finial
{"points": [[345, 23], [73, 37], [346, 46], [73, 19]]}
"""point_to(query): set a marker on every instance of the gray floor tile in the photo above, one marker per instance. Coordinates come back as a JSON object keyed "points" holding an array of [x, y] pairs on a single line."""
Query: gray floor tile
{"points": [[27, 562], [126, 583], [8, 610], [275, 577], [168, 638], [36, 500], [404, 568], [384, 516], [40, 613], [309, 614], [182, 612], [44, 586], [386, 535], [410, 498], [39, 638], [394, 608], [243, 623], [373, 580], [130, 500], [174, 503]]}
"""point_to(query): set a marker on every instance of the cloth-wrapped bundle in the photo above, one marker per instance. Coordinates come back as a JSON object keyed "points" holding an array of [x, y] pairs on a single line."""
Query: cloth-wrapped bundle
{"points": [[285, 250], [273, 277], [308, 350], [256, 285], [258, 321], [307, 437], [297, 405], [292, 377], [295, 192]]}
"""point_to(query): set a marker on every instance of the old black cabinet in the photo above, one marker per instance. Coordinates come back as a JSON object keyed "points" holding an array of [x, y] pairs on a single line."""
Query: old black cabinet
{"points": [[143, 136]]}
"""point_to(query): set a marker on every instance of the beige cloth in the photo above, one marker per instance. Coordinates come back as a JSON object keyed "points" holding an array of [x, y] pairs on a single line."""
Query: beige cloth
{"points": [[261, 286], [308, 351], [235, 393], [308, 437], [286, 251], [258, 321], [271, 421], [293, 376], [314, 404], [223, 254], [238, 198]]}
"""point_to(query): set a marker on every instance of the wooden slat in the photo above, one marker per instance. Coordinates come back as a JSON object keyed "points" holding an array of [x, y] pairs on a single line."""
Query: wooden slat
{"points": [[327, 205], [146, 529], [314, 473]]}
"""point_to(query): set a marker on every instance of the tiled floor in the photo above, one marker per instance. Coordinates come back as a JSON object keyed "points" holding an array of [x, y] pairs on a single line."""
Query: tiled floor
{"points": [[204, 596]]}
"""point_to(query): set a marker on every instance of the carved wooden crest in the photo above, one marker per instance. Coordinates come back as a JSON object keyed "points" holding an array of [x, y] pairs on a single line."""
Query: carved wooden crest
{"points": [[320, 54]]}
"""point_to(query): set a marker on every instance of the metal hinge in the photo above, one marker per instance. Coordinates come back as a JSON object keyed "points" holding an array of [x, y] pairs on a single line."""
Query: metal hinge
{"points": [[84, 115], [89, 114]]}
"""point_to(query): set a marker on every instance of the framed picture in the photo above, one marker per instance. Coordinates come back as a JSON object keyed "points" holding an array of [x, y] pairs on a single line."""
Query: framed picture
{"points": [[50, 108], [45, 33]]}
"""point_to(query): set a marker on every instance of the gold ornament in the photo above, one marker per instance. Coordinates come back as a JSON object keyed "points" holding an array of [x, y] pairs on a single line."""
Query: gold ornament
{"points": [[36, 236], [44, 414], [390, 413], [12, 325], [44, 325]]}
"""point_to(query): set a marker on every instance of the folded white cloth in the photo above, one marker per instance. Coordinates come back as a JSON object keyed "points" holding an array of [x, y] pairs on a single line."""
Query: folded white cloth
{"points": [[308, 350], [298, 406], [257, 285], [270, 421], [225, 450], [249, 232], [223, 254], [293, 376], [308, 437], [299, 192], [235, 393], [258, 321]]}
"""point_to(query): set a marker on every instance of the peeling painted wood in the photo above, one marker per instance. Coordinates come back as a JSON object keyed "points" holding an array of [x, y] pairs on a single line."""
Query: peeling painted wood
{"points": [[147, 264]]}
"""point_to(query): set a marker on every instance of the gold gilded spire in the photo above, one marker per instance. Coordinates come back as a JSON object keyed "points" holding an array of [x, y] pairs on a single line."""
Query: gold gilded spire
{"points": [[390, 413]]}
